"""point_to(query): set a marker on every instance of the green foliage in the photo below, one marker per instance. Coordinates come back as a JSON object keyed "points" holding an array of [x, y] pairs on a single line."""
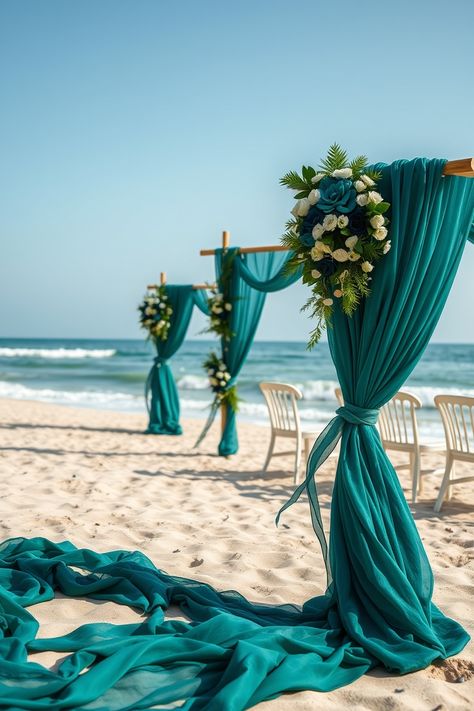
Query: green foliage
{"points": [[335, 159], [293, 181], [155, 314]]}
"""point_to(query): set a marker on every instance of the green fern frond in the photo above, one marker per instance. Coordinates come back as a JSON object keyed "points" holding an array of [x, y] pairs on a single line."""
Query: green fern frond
{"points": [[335, 159], [294, 181], [358, 165]]}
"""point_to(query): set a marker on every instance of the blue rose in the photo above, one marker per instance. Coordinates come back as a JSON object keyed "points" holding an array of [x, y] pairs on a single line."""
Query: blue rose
{"points": [[326, 266], [307, 240], [357, 222], [337, 195], [313, 217]]}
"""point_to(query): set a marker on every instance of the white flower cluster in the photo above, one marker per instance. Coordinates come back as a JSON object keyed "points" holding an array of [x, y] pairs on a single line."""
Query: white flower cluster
{"points": [[155, 314], [218, 376], [218, 307]]}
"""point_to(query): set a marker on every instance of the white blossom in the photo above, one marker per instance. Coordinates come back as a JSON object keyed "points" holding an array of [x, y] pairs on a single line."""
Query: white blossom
{"points": [[337, 293], [368, 181], [377, 221], [314, 196], [328, 302], [318, 231], [162, 305], [303, 206], [366, 267], [353, 256], [360, 186], [380, 233], [351, 241], [330, 222], [340, 255], [387, 246], [227, 376], [342, 221], [316, 178], [375, 197], [228, 307], [315, 274], [342, 173], [219, 375], [213, 381], [362, 199], [316, 254]]}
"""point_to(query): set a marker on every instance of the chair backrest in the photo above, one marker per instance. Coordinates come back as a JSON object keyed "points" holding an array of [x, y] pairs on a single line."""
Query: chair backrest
{"points": [[397, 419], [281, 400], [457, 414]]}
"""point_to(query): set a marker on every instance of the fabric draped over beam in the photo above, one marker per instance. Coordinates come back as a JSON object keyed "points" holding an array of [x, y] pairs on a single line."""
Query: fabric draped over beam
{"points": [[161, 393], [252, 276], [377, 611]]}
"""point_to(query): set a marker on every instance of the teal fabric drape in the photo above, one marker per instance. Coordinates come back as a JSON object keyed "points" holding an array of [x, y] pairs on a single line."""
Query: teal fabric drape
{"points": [[161, 392], [252, 276], [377, 611]]}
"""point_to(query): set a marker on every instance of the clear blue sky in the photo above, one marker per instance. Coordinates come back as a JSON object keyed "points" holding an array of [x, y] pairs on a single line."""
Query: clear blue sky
{"points": [[133, 131]]}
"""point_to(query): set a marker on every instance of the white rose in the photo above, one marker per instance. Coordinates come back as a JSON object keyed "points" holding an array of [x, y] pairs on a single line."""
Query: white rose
{"points": [[360, 186], [303, 207], [219, 297], [387, 246], [330, 223], [162, 305], [219, 375], [353, 256], [366, 267], [381, 233], [377, 221], [316, 254], [342, 221], [340, 255], [368, 181], [328, 302], [375, 197], [228, 307], [294, 210], [351, 241], [222, 367], [213, 381], [314, 196], [337, 293], [227, 376], [316, 178], [318, 231], [342, 173], [362, 199], [315, 274]]}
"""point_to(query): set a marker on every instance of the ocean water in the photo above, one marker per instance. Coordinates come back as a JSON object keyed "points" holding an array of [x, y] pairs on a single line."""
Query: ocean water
{"points": [[110, 374]]}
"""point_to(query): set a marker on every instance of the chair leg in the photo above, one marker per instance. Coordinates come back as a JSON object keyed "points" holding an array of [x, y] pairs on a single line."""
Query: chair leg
{"points": [[415, 475], [269, 453], [297, 461], [444, 484], [452, 476]]}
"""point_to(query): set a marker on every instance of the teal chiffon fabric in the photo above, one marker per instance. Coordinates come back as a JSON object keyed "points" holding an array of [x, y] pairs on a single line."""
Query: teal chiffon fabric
{"points": [[161, 393], [252, 276], [377, 611]]}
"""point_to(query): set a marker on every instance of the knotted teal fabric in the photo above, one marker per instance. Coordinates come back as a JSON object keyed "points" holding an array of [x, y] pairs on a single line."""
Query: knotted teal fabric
{"points": [[252, 276], [161, 393], [377, 611]]}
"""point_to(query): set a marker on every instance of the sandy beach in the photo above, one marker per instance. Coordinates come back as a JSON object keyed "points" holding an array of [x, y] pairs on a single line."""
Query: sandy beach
{"points": [[93, 478]]}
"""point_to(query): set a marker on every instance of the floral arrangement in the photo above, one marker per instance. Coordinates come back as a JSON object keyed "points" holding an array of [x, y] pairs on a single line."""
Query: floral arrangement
{"points": [[338, 232], [155, 313], [219, 310], [219, 378]]}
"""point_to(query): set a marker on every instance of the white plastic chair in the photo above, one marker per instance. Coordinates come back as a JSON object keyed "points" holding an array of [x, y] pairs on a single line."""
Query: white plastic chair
{"points": [[281, 400], [457, 414], [398, 429]]}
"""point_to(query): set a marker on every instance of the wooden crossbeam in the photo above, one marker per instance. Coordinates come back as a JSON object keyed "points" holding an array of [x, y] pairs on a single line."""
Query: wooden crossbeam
{"points": [[463, 167], [196, 287]]}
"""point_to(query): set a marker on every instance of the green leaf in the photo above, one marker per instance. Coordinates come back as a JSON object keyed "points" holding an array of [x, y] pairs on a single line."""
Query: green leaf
{"points": [[293, 181], [335, 159], [302, 194]]}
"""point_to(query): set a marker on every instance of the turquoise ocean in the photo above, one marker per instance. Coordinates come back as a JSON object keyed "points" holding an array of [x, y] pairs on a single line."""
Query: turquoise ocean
{"points": [[110, 374]]}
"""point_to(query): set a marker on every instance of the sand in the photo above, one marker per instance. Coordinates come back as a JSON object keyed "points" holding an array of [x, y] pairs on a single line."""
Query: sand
{"points": [[93, 478]]}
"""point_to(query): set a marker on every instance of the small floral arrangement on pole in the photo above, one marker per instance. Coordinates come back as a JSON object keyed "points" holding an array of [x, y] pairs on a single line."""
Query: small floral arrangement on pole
{"points": [[155, 313], [219, 378], [219, 311], [338, 232]]}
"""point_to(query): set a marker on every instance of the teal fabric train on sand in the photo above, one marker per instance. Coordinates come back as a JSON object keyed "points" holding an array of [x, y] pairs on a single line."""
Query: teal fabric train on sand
{"points": [[252, 276], [161, 393], [377, 610]]}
